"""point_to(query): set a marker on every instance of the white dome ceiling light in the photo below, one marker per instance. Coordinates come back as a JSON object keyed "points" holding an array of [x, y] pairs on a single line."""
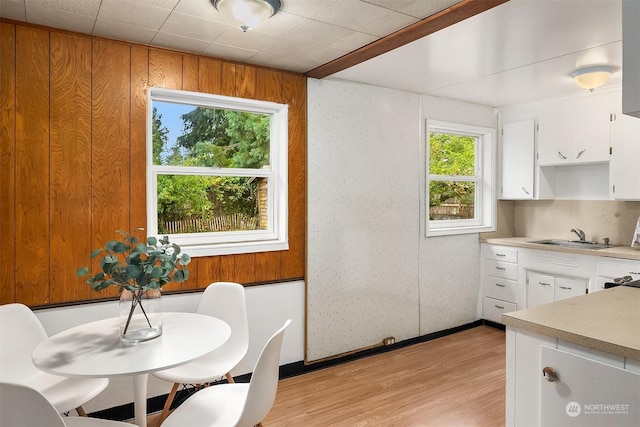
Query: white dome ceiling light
{"points": [[593, 77], [246, 14]]}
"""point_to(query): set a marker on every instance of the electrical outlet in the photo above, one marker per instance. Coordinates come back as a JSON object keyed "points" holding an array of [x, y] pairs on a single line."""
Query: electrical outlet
{"points": [[389, 341]]}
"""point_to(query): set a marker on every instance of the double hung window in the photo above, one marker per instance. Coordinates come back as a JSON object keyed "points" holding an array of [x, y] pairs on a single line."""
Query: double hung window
{"points": [[460, 180], [217, 172]]}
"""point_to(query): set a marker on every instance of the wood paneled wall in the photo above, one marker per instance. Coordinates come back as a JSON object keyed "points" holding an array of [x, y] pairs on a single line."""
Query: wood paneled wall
{"points": [[73, 117]]}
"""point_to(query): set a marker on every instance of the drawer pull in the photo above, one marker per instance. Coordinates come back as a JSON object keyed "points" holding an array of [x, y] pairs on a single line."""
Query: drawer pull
{"points": [[565, 287], [545, 283], [501, 254], [501, 285], [500, 268], [498, 307]]}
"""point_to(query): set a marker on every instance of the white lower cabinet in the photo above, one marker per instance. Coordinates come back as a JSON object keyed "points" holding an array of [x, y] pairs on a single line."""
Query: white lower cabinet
{"points": [[551, 384], [545, 288]]}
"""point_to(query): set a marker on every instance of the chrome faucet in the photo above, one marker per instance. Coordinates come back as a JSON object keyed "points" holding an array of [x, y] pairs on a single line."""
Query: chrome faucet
{"points": [[579, 233]]}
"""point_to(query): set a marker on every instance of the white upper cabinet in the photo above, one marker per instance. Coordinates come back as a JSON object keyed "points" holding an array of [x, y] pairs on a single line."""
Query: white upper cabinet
{"points": [[518, 160], [573, 131], [624, 166]]}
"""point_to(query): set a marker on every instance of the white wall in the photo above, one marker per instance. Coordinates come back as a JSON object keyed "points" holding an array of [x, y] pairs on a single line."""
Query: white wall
{"points": [[268, 306], [371, 273], [362, 216]]}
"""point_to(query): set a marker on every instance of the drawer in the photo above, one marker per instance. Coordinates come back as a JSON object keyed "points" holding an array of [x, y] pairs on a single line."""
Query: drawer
{"points": [[502, 289], [492, 309], [501, 269], [501, 253], [619, 268]]}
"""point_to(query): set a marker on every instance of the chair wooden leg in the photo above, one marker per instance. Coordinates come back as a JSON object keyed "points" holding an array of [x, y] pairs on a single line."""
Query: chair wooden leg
{"points": [[230, 378], [167, 404], [81, 411]]}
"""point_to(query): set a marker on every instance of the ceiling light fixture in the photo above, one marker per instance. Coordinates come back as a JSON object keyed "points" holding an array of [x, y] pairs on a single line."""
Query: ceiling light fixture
{"points": [[593, 77], [246, 14]]}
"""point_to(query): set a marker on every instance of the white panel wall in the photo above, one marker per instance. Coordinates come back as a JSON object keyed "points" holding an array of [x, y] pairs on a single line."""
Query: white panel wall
{"points": [[449, 265], [371, 273], [362, 210], [268, 307]]}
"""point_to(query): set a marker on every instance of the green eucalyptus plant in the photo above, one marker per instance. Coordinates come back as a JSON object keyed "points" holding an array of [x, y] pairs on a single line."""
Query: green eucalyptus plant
{"points": [[137, 266]]}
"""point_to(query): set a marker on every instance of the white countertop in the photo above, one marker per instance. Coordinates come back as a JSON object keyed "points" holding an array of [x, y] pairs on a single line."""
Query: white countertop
{"points": [[626, 252], [608, 320]]}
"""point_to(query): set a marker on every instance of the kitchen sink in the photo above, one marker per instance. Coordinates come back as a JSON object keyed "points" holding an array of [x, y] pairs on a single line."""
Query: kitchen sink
{"points": [[575, 244]]}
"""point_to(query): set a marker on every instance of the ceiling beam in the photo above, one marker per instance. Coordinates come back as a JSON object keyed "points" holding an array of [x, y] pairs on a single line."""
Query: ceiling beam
{"points": [[452, 15]]}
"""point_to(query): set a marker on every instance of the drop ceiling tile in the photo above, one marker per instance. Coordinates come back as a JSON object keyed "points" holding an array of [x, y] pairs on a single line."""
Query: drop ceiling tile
{"points": [[318, 33], [229, 52], [137, 13], [249, 40], [290, 48], [193, 27], [353, 14], [280, 24], [200, 8], [120, 31], [389, 24], [60, 19], [174, 41], [306, 8], [353, 42], [416, 8], [77, 7], [13, 10], [283, 63]]}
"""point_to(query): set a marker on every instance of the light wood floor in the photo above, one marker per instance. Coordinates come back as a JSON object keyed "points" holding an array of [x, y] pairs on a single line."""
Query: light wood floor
{"points": [[458, 380]]}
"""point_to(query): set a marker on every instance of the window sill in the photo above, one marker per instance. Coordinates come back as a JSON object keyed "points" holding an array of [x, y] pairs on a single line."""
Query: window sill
{"points": [[233, 248], [433, 232]]}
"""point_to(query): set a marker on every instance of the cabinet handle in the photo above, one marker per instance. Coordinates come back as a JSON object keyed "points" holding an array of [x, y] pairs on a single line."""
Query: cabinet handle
{"points": [[544, 284], [562, 156], [500, 284], [500, 268], [565, 287], [498, 307], [634, 272], [501, 255], [580, 154], [525, 191], [549, 374]]}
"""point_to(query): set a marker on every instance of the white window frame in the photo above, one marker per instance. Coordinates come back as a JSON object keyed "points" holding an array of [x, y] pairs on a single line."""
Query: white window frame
{"points": [[485, 196], [275, 238]]}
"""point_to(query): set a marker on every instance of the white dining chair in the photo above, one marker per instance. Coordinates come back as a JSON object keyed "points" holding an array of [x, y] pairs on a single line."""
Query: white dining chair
{"points": [[20, 334], [226, 301], [22, 406], [238, 404]]}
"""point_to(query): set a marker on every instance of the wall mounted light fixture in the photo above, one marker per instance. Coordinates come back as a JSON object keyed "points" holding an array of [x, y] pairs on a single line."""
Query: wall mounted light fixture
{"points": [[593, 77], [246, 14]]}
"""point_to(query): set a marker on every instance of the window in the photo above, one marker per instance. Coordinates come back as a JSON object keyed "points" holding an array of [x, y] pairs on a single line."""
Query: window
{"points": [[460, 184], [217, 172]]}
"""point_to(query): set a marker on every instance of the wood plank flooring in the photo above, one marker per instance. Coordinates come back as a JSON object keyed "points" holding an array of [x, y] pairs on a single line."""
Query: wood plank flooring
{"points": [[458, 380]]}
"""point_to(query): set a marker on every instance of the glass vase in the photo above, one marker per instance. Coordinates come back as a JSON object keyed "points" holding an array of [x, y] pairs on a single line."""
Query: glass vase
{"points": [[140, 315]]}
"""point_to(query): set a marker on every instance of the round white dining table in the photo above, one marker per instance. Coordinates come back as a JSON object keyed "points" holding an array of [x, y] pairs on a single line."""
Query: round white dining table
{"points": [[95, 350]]}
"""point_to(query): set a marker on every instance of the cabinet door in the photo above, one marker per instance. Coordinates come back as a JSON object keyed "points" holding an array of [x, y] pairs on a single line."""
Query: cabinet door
{"points": [[568, 288], [539, 289], [587, 392], [518, 150], [574, 131], [624, 166]]}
